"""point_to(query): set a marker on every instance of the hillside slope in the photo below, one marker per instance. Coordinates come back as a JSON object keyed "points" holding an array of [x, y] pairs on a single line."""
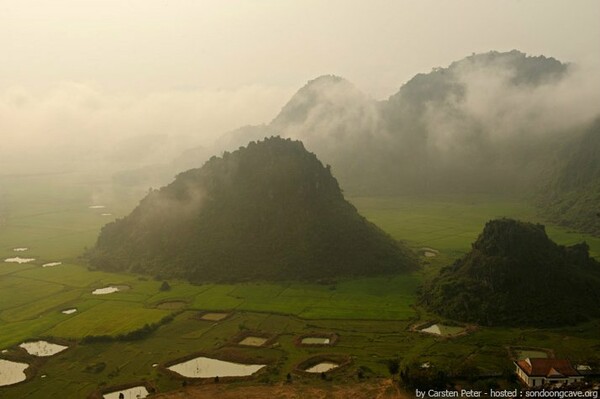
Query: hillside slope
{"points": [[572, 198], [268, 211], [515, 275], [468, 127]]}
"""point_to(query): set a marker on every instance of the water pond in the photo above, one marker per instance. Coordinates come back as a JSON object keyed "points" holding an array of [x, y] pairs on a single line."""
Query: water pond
{"points": [[443, 330], [129, 393], [21, 249], [12, 372], [51, 264], [96, 206], [69, 311], [322, 367], [19, 260], [315, 341], [42, 348], [110, 289], [429, 252], [205, 367], [214, 316], [253, 341]]}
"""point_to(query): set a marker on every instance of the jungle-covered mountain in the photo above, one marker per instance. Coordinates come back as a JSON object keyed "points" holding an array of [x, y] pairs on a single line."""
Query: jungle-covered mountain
{"points": [[572, 196], [268, 211], [481, 124], [515, 275], [499, 123], [478, 125]]}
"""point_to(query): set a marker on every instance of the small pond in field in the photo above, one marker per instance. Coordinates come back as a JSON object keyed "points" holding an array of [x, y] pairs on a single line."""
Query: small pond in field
{"points": [[429, 252], [205, 367], [12, 372], [253, 341], [19, 260], [21, 249], [96, 207], [42, 348], [315, 341], [69, 311], [106, 214], [129, 393], [52, 264], [110, 289], [322, 367], [214, 316], [443, 330], [524, 354]]}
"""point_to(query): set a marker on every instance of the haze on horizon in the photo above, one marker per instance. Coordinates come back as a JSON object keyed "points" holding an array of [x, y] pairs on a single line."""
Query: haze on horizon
{"points": [[92, 75]]}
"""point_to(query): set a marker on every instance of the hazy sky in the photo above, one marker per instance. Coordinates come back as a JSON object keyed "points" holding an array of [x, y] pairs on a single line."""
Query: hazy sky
{"points": [[155, 45], [112, 68]]}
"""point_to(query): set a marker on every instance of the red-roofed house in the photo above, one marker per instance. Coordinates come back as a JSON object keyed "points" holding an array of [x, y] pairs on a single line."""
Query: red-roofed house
{"points": [[537, 372]]}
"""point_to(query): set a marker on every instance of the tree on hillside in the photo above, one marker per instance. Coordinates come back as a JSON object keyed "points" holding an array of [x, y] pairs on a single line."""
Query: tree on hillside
{"points": [[165, 286]]}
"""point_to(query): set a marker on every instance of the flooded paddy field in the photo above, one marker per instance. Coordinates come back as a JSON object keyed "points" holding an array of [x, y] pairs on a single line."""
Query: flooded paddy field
{"points": [[52, 264], [136, 392], [212, 316], [371, 315], [253, 341], [18, 259], [317, 339], [324, 363], [206, 367], [12, 372], [443, 330], [322, 367], [42, 348]]}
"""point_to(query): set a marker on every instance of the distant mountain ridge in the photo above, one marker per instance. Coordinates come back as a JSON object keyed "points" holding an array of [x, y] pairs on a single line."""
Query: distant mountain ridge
{"points": [[572, 195], [484, 124], [424, 138], [516, 276], [268, 211]]}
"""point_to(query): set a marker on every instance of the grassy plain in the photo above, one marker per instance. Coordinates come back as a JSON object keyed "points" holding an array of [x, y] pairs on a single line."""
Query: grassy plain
{"points": [[50, 215]]}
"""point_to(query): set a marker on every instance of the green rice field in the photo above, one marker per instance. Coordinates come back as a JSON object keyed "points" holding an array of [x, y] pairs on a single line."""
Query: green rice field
{"points": [[373, 317]]}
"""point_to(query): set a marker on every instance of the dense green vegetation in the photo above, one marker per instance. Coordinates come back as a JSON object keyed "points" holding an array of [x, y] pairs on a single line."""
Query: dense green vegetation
{"points": [[515, 275], [453, 130], [373, 316], [572, 196], [268, 211]]}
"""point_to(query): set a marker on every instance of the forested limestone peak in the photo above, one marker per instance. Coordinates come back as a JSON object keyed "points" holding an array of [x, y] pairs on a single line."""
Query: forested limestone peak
{"points": [[270, 211], [516, 275]]}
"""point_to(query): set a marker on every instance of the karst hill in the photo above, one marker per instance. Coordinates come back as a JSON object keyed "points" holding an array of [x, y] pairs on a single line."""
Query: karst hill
{"points": [[269, 211], [515, 275]]}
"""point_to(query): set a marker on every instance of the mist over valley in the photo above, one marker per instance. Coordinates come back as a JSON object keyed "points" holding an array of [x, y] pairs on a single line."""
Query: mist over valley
{"points": [[299, 199]]}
